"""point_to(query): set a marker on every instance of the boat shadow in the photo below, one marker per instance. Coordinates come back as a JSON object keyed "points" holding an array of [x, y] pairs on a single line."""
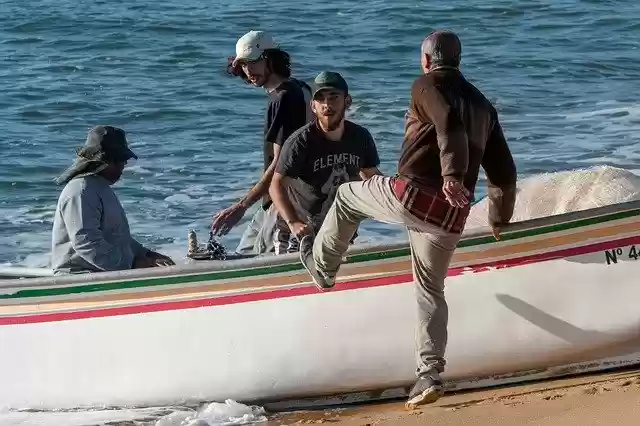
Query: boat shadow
{"points": [[620, 343]]}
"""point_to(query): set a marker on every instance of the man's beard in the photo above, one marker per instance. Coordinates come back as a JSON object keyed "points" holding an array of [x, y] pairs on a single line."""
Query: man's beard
{"points": [[332, 122]]}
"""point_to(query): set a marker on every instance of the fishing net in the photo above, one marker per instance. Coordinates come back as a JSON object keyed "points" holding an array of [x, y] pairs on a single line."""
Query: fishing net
{"points": [[563, 192]]}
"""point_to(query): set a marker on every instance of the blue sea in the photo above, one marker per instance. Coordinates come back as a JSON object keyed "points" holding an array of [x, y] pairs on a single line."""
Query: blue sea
{"points": [[563, 74]]}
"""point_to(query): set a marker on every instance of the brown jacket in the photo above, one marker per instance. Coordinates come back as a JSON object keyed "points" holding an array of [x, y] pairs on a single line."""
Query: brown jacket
{"points": [[451, 130]]}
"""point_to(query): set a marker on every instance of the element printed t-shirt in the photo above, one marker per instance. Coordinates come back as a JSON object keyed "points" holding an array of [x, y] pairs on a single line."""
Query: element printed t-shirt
{"points": [[318, 166]]}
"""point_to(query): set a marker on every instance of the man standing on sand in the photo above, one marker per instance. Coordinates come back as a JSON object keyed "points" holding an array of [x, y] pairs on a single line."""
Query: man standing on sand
{"points": [[316, 159], [451, 130], [260, 62], [90, 228]]}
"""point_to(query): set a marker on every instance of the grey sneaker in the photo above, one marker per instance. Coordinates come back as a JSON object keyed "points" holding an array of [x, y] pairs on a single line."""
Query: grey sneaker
{"points": [[306, 257], [426, 390]]}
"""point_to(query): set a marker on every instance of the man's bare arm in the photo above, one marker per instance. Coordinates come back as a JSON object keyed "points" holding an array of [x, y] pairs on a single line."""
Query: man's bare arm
{"points": [[278, 193], [261, 188], [229, 217]]}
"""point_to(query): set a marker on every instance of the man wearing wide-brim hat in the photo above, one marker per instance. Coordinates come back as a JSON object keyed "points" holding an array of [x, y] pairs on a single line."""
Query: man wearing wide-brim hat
{"points": [[90, 228]]}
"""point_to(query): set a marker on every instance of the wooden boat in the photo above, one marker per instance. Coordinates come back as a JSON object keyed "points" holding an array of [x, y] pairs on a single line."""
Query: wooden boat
{"points": [[15, 272], [555, 296]]}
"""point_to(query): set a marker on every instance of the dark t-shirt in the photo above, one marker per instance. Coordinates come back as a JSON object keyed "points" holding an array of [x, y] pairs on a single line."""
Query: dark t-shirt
{"points": [[286, 113], [318, 166]]}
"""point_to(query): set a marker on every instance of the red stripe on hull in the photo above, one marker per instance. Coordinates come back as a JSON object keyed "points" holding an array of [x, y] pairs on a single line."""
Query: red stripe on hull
{"points": [[302, 291]]}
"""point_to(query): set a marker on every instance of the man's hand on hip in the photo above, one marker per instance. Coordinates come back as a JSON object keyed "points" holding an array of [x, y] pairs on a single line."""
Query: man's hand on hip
{"points": [[455, 193]]}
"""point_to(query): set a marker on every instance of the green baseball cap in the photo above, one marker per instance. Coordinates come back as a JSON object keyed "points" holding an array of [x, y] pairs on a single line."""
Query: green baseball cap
{"points": [[329, 80]]}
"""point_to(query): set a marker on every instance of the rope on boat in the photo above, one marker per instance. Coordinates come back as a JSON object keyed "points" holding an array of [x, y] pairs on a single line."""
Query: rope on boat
{"points": [[214, 250]]}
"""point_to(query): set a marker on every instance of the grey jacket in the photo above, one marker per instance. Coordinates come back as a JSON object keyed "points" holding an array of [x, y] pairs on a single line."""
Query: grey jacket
{"points": [[90, 229]]}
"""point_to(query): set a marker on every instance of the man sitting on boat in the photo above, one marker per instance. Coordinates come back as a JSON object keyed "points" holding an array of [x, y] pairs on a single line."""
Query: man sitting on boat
{"points": [[451, 130], [260, 62], [316, 160], [90, 228]]}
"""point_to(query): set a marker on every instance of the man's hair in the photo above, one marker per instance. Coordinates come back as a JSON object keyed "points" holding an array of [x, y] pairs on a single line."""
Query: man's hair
{"points": [[443, 47], [278, 62]]}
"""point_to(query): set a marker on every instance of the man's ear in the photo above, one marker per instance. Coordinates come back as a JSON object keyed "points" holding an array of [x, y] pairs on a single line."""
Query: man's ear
{"points": [[348, 101], [313, 107], [425, 63]]}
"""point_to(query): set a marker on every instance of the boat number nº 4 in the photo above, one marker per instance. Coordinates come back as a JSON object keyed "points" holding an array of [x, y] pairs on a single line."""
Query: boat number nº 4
{"points": [[612, 256]]}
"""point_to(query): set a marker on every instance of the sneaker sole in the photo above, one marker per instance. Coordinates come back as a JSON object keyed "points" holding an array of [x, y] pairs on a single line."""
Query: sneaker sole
{"points": [[428, 396], [310, 266]]}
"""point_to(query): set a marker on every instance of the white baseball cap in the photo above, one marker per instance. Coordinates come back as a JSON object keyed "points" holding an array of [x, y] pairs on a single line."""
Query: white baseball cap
{"points": [[250, 46]]}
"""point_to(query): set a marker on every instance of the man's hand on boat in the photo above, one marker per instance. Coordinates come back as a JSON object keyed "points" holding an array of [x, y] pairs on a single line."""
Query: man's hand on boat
{"points": [[226, 219], [160, 259], [495, 230], [455, 193], [151, 260], [299, 229]]}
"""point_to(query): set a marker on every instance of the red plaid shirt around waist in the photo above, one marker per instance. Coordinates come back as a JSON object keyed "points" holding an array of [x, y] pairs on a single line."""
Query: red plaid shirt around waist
{"points": [[430, 206]]}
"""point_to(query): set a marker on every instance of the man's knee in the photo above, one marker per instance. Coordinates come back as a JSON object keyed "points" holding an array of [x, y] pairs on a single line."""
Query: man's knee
{"points": [[343, 189], [347, 190]]}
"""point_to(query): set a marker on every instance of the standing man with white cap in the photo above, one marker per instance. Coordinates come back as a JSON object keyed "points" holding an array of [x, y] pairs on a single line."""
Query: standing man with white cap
{"points": [[261, 62]]}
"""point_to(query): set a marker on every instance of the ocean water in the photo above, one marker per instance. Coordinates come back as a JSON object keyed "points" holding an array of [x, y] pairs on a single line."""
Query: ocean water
{"points": [[564, 75]]}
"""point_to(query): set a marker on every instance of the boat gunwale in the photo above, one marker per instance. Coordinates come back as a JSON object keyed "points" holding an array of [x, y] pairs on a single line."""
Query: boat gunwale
{"points": [[269, 265]]}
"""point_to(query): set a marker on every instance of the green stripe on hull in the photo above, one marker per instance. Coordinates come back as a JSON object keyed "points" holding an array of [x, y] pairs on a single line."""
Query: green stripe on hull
{"points": [[470, 242], [152, 282], [550, 228], [296, 267]]}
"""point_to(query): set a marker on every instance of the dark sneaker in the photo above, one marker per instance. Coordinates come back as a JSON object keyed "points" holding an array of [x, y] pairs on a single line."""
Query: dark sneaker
{"points": [[306, 257], [426, 390]]}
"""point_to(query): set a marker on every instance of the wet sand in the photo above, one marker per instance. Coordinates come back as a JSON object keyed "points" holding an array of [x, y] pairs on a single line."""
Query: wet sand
{"points": [[604, 399]]}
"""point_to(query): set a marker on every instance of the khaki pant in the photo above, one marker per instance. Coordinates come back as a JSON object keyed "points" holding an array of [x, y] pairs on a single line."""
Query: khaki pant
{"points": [[431, 252]]}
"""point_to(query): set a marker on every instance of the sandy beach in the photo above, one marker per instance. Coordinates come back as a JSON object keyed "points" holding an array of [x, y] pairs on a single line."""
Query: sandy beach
{"points": [[612, 398]]}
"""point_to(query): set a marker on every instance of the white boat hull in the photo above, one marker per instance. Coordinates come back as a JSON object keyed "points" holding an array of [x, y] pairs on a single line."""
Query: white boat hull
{"points": [[506, 324]]}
